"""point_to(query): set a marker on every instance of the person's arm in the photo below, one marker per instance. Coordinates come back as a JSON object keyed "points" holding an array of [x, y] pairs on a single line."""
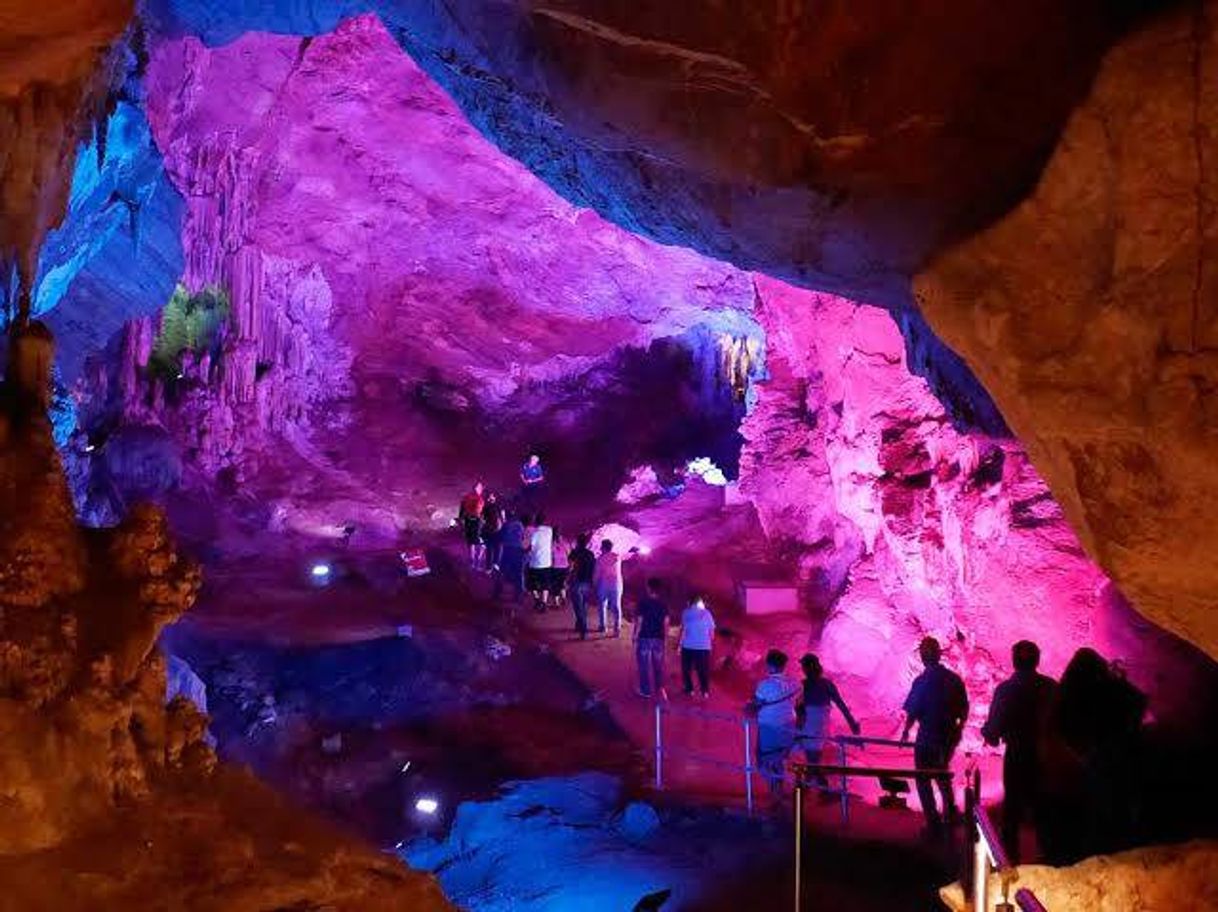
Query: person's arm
{"points": [[836, 696], [911, 711], [995, 723]]}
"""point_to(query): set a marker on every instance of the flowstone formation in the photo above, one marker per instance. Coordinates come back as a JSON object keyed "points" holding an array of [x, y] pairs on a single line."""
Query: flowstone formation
{"points": [[95, 766], [905, 525]]}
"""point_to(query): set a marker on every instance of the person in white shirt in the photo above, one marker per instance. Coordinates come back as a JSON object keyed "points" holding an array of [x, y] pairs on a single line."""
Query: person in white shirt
{"points": [[774, 705], [541, 560], [608, 586], [695, 641]]}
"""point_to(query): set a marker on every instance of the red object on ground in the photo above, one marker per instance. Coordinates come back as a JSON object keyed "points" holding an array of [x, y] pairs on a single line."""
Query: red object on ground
{"points": [[414, 562]]}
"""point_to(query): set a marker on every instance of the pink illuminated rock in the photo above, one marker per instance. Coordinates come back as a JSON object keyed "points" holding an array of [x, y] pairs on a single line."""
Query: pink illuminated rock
{"points": [[907, 527], [447, 261]]}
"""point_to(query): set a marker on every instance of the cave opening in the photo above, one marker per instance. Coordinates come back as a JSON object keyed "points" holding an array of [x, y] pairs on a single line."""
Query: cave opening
{"points": [[302, 299]]}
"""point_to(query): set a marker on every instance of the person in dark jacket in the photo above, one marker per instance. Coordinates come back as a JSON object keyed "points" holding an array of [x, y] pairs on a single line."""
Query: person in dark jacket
{"points": [[580, 574], [1017, 717], [812, 711], [938, 705]]}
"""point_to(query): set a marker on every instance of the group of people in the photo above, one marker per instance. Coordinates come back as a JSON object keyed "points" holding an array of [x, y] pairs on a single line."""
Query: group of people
{"points": [[1068, 747], [527, 554], [1071, 749]]}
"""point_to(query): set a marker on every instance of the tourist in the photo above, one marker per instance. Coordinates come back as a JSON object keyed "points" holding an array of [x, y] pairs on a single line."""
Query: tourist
{"points": [[560, 568], [582, 576], [609, 582], [819, 694], [938, 705], [511, 557], [650, 632], [1017, 716], [1094, 772], [470, 518], [492, 526], [540, 561], [695, 640], [773, 704], [532, 482]]}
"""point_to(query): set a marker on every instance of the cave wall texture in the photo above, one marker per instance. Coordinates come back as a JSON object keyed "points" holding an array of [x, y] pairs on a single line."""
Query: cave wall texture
{"points": [[753, 138]]}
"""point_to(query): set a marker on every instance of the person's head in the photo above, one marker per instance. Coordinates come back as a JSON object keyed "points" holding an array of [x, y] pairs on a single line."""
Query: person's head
{"points": [[696, 600], [776, 661], [930, 651], [606, 546], [583, 539], [1025, 655], [539, 519], [811, 666], [477, 487], [654, 585], [492, 497], [534, 459]]}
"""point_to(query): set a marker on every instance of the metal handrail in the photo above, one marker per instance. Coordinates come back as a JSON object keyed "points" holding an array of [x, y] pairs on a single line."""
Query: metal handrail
{"points": [[988, 852]]}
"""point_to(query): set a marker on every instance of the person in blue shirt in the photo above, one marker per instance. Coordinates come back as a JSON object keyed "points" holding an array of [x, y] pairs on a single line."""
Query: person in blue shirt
{"points": [[938, 705], [532, 482]]}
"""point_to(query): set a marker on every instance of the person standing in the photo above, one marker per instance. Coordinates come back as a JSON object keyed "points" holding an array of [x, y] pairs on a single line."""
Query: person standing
{"points": [[511, 558], [609, 584], [560, 569], [695, 641], [541, 561], [470, 518], [650, 632], [819, 694], [774, 705], [1017, 716], [492, 527], [938, 705], [582, 575], [532, 482]]}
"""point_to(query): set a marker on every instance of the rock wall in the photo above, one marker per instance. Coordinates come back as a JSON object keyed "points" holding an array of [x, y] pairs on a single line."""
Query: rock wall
{"points": [[1160, 879], [89, 747], [1089, 313], [905, 526]]}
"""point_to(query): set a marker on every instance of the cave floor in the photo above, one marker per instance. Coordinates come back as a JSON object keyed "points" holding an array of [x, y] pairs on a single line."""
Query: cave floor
{"points": [[289, 665]]}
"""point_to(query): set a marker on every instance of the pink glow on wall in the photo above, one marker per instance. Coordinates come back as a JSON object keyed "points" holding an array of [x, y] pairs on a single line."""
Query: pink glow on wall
{"points": [[909, 527]]}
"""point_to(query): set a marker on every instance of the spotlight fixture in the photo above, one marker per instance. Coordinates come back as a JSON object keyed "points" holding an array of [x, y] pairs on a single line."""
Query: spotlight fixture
{"points": [[644, 550], [427, 806], [320, 571]]}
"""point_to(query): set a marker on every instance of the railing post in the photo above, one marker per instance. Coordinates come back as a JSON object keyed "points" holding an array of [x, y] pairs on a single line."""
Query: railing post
{"points": [[799, 841], [748, 765], [841, 752], [980, 873], [659, 746]]}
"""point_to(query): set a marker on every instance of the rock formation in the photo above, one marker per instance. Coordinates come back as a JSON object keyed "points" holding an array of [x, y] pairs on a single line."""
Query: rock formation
{"points": [[1089, 312], [905, 526], [88, 738], [1161, 879]]}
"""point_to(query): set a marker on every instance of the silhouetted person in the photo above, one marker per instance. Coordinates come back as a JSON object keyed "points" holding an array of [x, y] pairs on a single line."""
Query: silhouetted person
{"points": [[650, 632], [582, 574], [470, 517], [819, 694], [1094, 751], [511, 558], [938, 705], [1017, 717], [540, 548], [492, 526]]}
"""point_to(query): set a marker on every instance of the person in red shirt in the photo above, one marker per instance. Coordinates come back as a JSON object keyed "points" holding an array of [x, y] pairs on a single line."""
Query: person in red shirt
{"points": [[470, 518]]}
